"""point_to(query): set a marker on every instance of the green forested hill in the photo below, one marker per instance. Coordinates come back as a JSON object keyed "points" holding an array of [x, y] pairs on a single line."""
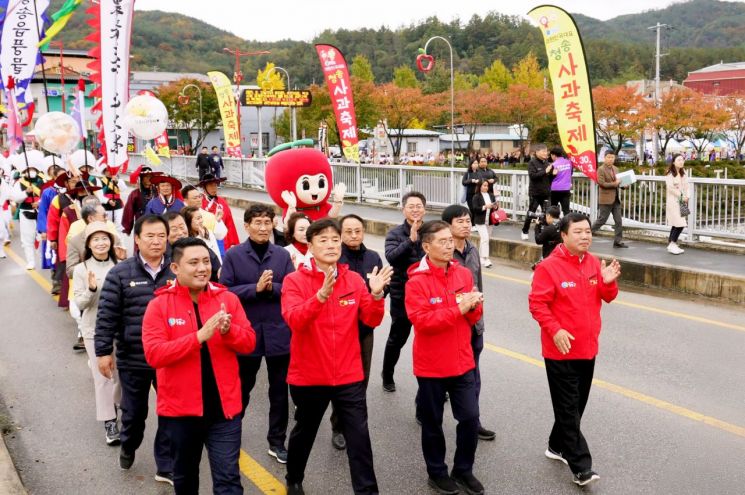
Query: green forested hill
{"points": [[705, 32]]}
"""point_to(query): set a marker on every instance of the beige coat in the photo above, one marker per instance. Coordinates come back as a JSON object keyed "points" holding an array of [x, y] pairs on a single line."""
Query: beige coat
{"points": [[607, 192], [87, 300], [676, 186]]}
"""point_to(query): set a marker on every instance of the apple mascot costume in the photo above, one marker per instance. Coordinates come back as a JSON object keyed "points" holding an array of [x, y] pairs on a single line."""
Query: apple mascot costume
{"points": [[299, 180]]}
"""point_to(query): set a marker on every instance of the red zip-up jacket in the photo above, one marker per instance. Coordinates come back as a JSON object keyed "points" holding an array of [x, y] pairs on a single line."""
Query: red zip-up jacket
{"points": [[567, 293], [169, 337], [325, 342], [442, 335]]}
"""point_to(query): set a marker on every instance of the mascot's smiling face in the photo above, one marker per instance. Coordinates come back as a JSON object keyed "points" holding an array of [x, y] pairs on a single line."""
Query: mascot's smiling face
{"points": [[311, 189]]}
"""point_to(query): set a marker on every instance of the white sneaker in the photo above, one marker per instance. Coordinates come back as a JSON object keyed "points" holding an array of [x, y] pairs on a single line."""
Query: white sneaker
{"points": [[486, 263], [524, 237], [30, 266], [673, 248], [2, 254]]}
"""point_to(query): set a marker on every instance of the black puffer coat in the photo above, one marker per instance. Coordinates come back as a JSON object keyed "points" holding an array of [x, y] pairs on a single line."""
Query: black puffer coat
{"points": [[126, 292], [401, 253]]}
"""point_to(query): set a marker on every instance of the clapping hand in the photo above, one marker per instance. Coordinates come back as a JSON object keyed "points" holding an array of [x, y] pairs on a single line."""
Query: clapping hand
{"points": [[265, 281], [215, 323], [470, 300], [379, 279], [328, 285], [415, 230], [92, 284], [610, 272]]}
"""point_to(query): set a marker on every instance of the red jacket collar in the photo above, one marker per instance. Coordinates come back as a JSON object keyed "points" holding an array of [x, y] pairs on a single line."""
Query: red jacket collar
{"points": [[212, 290]]}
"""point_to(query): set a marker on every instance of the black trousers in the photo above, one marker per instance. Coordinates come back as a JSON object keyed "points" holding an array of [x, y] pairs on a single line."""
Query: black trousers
{"points": [[465, 405], [535, 202], [351, 407], [366, 349], [279, 402], [569, 382], [135, 394], [221, 437], [604, 211], [561, 198], [397, 337], [675, 234]]}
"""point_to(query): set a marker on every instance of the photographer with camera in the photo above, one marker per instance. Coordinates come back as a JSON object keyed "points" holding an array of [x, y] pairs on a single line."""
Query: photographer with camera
{"points": [[540, 172], [547, 232]]}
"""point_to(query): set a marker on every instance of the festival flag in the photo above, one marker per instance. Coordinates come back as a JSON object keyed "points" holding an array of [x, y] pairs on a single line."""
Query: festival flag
{"points": [[21, 21], [336, 73], [78, 108], [150, 155], [60, 19], [112, 29], [15, 131], [571, 84], [228, 112]]}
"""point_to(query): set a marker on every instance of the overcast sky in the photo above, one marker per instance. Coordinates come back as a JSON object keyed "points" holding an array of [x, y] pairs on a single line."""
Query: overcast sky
{"points": [[302, 20]]}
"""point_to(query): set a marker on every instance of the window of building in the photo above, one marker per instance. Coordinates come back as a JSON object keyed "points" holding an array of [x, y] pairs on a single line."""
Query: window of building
{"points": [[485, 143], [411, 146]]}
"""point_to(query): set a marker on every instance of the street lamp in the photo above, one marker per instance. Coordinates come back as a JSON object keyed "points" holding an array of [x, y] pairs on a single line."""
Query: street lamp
{"points": [[293, 117], [452, 92], [183, 99]]}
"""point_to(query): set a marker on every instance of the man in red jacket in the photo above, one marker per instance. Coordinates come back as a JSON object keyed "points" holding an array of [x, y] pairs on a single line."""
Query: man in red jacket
{"points": [[443, 303], [323, 303], [192, 333], [568, 290]]}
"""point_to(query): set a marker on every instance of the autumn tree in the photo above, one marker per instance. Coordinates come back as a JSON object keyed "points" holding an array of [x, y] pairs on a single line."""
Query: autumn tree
{"points": [[527, 72], [620, 114], [497, 76], [399, 108], [362, 69], [405, 77], [183, 110], [734, 104], [672, 116], [531, 110], [477, 106], [706, 121], [309, 118]]}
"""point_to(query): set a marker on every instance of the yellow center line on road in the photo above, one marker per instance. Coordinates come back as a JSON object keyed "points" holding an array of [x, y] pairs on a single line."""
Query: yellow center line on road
{"points": [[263, 479], [632, 394], [651, 309]]}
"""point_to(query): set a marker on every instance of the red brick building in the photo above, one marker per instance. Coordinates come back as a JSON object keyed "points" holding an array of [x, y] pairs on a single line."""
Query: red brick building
{"points": [[720, 79]]}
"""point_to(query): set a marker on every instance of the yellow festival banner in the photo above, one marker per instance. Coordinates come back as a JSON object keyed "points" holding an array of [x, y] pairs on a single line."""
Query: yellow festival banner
{"points": [[228, 112], [571, 84]]}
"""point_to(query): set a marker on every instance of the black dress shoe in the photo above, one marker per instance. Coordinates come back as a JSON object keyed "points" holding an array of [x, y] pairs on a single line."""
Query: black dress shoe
{"points": [[620, 245], [338, 441], [125, 459], [295, 489], [485, 434], [388, 385], [470, 484], [444, 485]]}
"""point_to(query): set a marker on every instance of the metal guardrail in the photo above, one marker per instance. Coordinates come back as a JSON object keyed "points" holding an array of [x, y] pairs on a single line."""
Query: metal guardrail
{"points": [[716, 204]]}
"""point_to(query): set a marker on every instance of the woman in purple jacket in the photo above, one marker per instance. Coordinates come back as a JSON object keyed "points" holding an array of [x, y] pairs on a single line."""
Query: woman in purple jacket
{"points": [[561, 186]]}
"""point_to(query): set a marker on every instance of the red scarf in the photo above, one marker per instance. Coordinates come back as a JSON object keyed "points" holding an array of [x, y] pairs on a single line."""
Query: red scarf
{"points": [[303, 248]]}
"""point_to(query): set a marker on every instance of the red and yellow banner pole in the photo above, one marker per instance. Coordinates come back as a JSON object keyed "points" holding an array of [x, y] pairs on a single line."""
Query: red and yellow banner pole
{"points": [[228, 112], [571, 84]]}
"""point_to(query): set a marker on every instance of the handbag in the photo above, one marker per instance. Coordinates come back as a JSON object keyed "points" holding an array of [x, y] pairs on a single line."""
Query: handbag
{"points": [[684, 210], [497, 216]]}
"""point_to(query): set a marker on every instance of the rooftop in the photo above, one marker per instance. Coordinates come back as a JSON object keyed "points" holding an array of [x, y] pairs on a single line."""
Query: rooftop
{"points": [[720, 67]]}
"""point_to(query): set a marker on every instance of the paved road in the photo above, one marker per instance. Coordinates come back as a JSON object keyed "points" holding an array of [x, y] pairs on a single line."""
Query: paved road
{"points": [[666, 417]]}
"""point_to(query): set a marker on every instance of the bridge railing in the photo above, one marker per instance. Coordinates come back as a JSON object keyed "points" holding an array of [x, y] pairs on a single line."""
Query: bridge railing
{"points": [[716, 205]]}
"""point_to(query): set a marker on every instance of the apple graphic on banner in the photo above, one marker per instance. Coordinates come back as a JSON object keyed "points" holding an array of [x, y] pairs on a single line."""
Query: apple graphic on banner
{"points": [[420, 62]]}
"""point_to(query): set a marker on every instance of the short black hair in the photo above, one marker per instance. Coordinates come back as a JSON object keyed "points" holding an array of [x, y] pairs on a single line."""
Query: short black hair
{"points": [[214, 147], [352, 216], [170, 216], [88, 211], [178, 247], [204, 147], [290, 227], [558, 151], [258, 210], [148, 219], [428, 229], [187, 189], [570, 218], [554, 211], [319, 226], [455, 211], [413, 194]]}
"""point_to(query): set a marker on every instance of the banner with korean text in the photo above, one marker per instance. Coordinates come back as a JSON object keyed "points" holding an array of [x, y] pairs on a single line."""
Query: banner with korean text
{"points": [[336, 74], [228, 112], [571, 84], [21, 21], [112, 31]]}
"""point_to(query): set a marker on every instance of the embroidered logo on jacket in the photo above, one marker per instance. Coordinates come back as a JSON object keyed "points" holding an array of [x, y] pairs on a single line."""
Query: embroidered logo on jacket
{"points": [[176, 321], [347, 302], [135, 283], [568, 285], [435, 300]]}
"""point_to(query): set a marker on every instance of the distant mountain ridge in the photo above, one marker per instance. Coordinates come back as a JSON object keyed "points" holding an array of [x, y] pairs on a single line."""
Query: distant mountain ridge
{"points": [[705, 32]]}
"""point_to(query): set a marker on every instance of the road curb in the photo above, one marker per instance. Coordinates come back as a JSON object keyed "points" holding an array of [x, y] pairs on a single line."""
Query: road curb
{"points": [[725, 288], [10, 482]]}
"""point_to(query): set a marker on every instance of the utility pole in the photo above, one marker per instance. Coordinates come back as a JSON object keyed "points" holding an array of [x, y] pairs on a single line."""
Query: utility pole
{"points": [[655, 136], [238, 77]]}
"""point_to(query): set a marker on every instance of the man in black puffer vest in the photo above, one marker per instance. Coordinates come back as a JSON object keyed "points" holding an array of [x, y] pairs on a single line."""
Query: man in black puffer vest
{"points": [[128, 289]]}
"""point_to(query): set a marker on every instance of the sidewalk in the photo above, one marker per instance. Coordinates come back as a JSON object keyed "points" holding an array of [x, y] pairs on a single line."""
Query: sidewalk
{"points": [[698, 271], [10, 483]]}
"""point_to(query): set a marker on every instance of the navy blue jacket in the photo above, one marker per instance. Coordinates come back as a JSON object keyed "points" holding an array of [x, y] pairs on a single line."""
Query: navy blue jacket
{"points": [[401, 253], [241, 269], [361, 261], [125, 294]]}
